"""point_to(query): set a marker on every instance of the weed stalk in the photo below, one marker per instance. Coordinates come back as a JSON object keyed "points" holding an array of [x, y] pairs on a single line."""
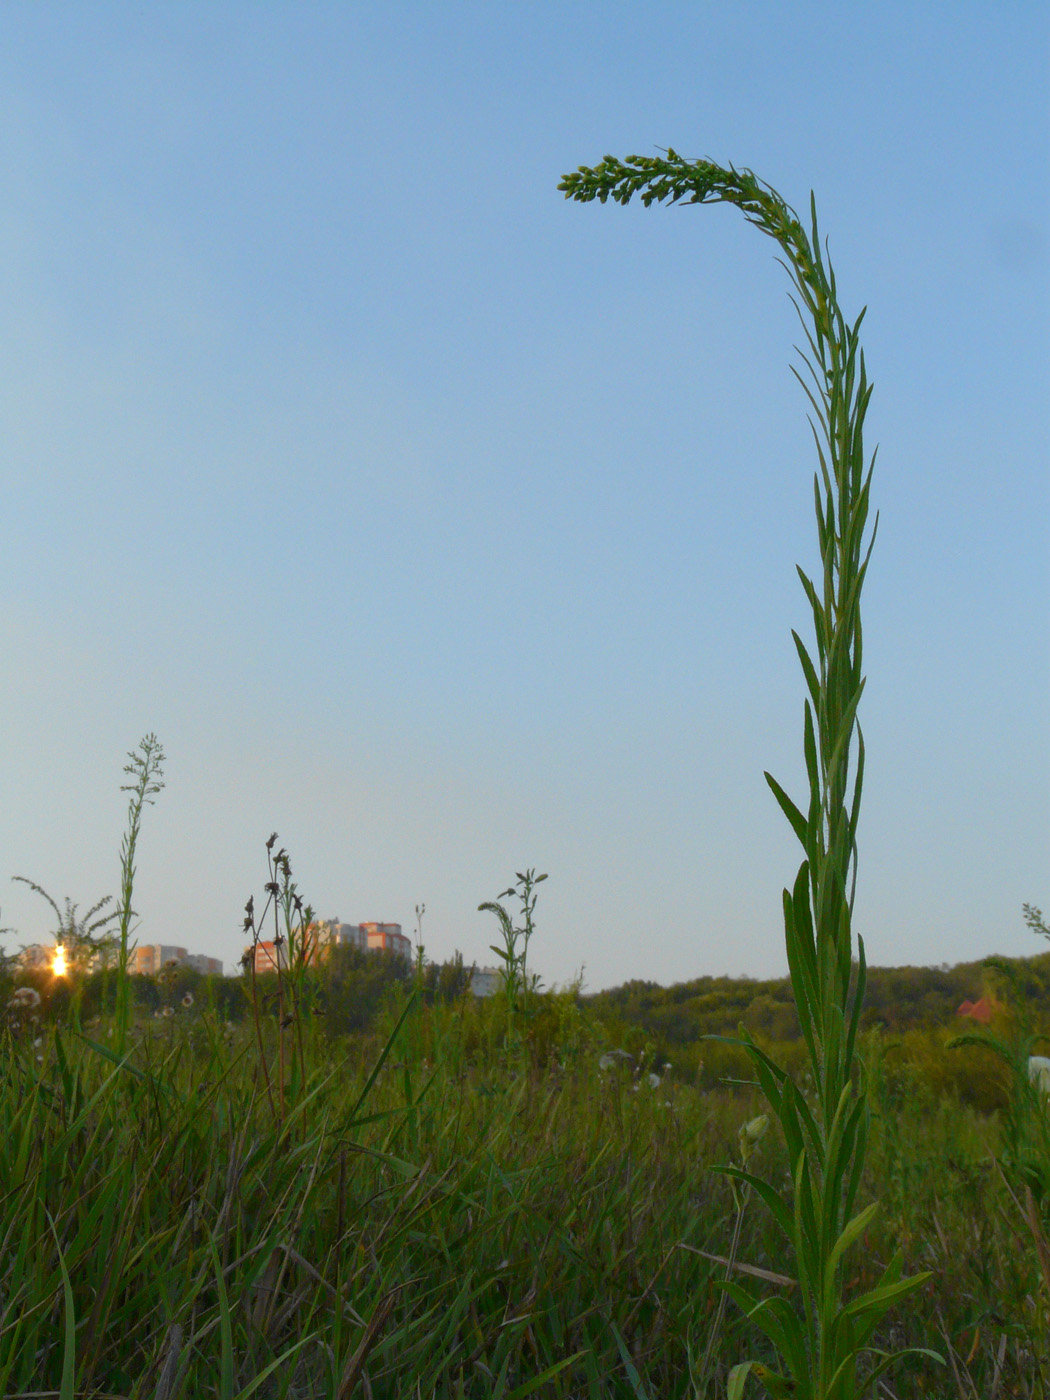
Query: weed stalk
{"points": [[292, 930], [820, 1350], [515, 950], [145, 768]]}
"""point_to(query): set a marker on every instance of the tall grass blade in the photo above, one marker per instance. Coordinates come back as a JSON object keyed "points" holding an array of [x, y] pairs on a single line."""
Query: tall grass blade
{"points": [[69, 1341]]}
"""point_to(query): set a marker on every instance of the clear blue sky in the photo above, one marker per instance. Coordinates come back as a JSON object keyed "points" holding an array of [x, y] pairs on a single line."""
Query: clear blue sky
{"points": [[446, 527]]}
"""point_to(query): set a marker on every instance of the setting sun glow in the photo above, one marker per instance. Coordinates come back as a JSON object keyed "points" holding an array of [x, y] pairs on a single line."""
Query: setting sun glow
{"points": [[58, 962]]}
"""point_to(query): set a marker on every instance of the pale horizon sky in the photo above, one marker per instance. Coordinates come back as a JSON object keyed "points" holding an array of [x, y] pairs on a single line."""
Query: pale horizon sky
{"points": [[447, 527]]}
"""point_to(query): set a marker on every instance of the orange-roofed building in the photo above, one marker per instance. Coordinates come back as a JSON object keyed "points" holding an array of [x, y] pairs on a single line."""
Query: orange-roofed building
{"points": [[980, 1011], [324, 935], [269, 956], [387, 938]]}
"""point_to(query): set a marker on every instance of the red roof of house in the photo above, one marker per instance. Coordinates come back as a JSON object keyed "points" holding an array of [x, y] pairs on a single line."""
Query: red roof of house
{"points": [[977, 1010]]}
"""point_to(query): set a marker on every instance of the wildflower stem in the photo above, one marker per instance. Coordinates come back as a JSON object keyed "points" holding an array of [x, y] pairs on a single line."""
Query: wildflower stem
{"points": [[826, 1139], [145, 767]]}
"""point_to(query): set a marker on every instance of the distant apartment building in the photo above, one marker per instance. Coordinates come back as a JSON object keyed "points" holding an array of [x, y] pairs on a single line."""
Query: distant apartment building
{"points": [[36, 955], [39, 957], [150, 958], [331, 933], [209, 967], [486, 981], [346, 935], [325, 934], [145, 961], [387, 938], [269, 956]]}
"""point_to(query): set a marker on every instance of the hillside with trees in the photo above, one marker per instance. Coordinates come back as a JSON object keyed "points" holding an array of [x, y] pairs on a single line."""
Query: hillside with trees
{"points": [[897, 999]]}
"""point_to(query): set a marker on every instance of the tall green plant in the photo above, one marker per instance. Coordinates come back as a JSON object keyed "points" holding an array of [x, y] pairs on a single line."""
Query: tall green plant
{"points": [[826, 1137], [145, 768], [516, 938]]}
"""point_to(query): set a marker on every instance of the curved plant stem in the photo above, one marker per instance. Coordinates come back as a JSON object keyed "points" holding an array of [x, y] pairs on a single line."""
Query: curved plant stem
{"points": [[826, 1130]]}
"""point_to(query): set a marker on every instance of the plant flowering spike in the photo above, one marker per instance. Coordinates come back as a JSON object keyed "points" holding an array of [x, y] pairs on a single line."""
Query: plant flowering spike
{"points": [[826, 1144]]}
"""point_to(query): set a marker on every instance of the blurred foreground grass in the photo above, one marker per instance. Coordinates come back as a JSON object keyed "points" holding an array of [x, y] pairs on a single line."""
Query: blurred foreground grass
{"points": [[430, 1213]]}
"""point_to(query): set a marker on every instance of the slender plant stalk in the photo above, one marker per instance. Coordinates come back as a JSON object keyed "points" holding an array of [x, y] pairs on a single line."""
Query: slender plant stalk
{"points": [[302, 940], [292, 929], [826, 1139], [256, 930], [274, 890], [145, 768]]}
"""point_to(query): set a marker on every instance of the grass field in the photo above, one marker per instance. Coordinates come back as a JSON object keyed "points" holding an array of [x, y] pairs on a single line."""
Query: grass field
{"points": [[429, 1212]]}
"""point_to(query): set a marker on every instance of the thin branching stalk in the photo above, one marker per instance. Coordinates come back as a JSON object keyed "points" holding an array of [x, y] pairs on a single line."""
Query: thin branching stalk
{"points": [[273, 888], [304, 949], [294, 931], [255, 930], [145, 768]]}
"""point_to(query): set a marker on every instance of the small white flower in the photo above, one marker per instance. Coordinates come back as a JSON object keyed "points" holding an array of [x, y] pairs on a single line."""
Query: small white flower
{"points": [[168, 1011], [1039, 1072], [187, 1000], [654, 1081]]}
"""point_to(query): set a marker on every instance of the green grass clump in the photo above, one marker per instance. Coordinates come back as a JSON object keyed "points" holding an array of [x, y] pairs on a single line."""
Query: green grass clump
{"points": [[488, 1233]]}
